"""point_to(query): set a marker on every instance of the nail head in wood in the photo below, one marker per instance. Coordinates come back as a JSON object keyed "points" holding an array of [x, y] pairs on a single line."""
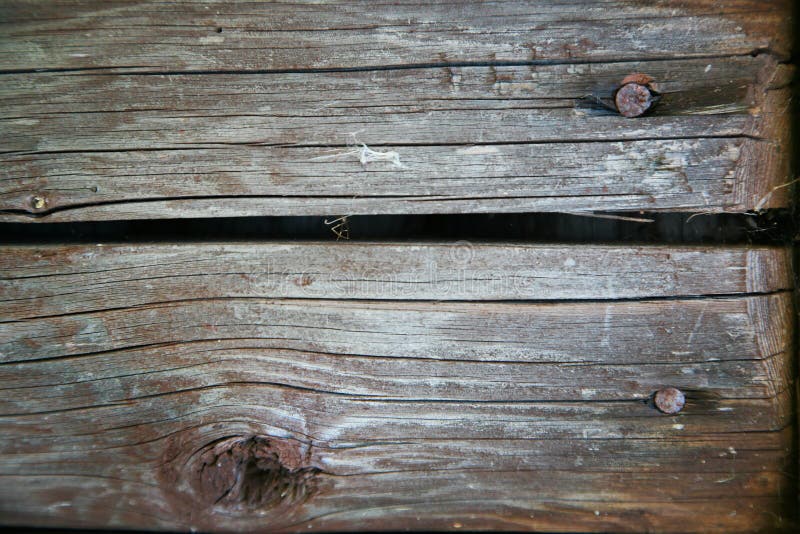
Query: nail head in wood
{"points": [[38, 202], [670, 400], [635, 95]]}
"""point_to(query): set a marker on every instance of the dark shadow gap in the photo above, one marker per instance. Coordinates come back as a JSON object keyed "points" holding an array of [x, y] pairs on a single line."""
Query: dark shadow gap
{"points": [[771, 227]]}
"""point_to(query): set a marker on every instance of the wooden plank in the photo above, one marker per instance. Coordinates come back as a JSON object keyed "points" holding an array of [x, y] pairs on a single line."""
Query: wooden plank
{"points": [[129, 154], [55, 112], [218, 35], [369, 408], [477, 135], [46, 280], [752, 324]]}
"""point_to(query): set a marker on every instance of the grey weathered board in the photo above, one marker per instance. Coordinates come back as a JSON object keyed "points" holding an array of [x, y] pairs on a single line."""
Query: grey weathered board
{"points": [[314, 386], [320, 386], [117, 110]]}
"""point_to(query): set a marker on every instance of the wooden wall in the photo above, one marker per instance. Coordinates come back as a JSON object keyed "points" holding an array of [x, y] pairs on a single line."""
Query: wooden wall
{"points": [[177, 354]]}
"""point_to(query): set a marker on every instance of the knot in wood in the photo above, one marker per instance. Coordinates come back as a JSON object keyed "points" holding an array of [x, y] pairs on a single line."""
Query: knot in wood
{"points": [[252, 473], [669, 400], [635, 96]]}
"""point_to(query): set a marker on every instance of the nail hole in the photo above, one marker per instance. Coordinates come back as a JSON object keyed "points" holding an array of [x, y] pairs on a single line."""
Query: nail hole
{"points": [[219, 30]]}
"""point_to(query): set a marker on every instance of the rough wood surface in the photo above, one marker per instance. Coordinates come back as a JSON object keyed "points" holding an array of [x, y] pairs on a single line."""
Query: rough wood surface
{"points": [[182, 35], [177, 387], [116, 111], [51, 280]]}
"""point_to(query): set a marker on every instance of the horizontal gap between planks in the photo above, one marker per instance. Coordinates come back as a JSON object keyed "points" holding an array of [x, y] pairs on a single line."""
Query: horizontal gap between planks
{"points": [[769, 227]]}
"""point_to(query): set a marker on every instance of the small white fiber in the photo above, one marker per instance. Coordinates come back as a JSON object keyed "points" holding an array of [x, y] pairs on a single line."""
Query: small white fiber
{"points": [[366, 155]]}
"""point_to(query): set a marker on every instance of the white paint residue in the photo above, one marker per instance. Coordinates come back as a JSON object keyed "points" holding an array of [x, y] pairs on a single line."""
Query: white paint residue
{"points": [[708, 68]]}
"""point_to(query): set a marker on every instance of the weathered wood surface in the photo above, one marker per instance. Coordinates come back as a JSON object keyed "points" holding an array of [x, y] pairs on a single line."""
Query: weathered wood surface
{"points": [[51, 280], [116, 111], [178, 387], [350, 34]]}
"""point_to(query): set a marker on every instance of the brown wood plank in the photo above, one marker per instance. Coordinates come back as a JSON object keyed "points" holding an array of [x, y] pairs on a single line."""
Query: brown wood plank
{"points": [[57, 112], [370, 409], [42, 280], [179, 36], [212, 136], [666, 329]]}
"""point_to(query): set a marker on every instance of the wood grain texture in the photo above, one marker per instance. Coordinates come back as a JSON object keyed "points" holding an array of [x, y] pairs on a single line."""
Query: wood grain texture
{"points": [[181, 36], [50, 280], [268, 120], [184, 386]]}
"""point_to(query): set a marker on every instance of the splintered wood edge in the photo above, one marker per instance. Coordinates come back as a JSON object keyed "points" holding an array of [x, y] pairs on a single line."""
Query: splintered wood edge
{"points": [[764, 174], [769, 269]]}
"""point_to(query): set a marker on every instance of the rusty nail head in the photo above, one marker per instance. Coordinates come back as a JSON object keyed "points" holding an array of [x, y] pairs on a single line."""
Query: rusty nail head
{"points": [[635, 95], [670, 400]]}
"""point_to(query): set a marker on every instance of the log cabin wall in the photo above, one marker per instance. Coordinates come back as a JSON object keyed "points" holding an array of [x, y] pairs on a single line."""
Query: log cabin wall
{"points": [[348, 266]]}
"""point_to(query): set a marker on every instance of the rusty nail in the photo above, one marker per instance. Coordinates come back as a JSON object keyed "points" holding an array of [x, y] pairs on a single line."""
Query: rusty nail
{"points": [[670, 400], [635, 95], [38, 203]]}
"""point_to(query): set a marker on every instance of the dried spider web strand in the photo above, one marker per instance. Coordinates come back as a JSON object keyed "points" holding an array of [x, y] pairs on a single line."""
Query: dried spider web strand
{"points": [[336, 157], [608, 216], [341, 231], [702, 213], [766, 197], [341, 226], [366, 155], [336, 220]]}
